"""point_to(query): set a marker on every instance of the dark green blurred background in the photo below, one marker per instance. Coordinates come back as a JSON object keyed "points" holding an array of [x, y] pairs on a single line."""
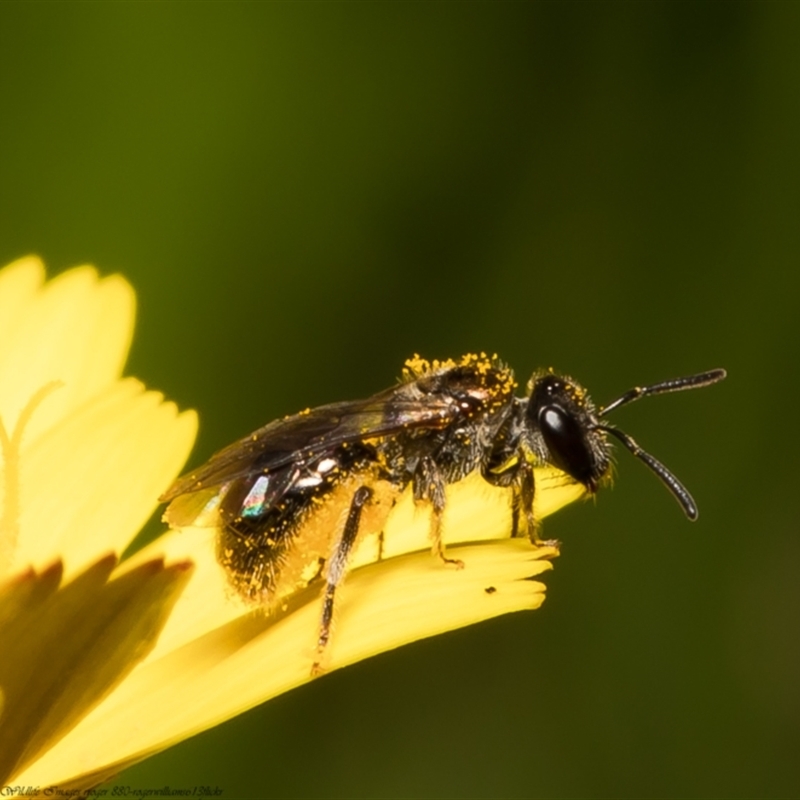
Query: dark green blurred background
{"points": [[304, 195]]}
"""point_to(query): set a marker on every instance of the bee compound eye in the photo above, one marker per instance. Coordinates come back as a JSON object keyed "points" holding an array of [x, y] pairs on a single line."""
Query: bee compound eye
{"points": [[566, 442]]}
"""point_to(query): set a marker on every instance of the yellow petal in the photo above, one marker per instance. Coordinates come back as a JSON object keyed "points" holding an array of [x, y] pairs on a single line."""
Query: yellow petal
{"points": [[64, 649], [76, 328], [90, 483], [19, 283]]}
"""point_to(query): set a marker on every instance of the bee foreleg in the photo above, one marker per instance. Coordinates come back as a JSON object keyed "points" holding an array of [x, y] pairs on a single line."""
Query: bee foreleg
{"points": [[337, 567], [515, 504], [527, 492]]}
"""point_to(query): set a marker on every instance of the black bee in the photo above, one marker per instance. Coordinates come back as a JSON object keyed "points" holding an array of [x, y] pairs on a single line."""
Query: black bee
{"points": [[291, 500]]}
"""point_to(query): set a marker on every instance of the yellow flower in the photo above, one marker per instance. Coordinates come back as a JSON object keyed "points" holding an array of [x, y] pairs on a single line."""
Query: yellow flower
{"points": [[84, 455], [216, 657]]}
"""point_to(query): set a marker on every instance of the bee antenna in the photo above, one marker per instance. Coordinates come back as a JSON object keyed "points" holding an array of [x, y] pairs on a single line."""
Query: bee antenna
{"points": [[674, 385], [676, 488]]}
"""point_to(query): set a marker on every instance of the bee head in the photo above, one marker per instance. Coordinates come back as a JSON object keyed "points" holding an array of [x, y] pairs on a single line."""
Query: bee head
{"points": [[561, 419], [567, 431]]}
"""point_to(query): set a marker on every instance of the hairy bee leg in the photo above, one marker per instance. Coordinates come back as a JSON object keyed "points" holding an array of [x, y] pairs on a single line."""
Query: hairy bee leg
{"points": [[515, 507], [436, 539], [527, 491], [337, 566], [429, 486], [381, 536]]}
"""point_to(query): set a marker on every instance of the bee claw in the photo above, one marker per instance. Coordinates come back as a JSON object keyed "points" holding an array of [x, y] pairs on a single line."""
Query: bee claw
{"points": [[553, 543], [317, 669]]}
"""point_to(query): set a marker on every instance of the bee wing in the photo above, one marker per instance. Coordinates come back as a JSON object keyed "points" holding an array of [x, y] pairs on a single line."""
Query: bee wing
{"points": [[310, 434]]}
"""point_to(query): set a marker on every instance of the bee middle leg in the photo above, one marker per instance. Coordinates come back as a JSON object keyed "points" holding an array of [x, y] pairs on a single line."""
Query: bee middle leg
{"points": [[337, 567], [429, 485]]}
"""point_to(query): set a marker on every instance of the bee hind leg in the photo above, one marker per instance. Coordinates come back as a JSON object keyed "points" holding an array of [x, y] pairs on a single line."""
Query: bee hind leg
{"points": [[337, 567]]}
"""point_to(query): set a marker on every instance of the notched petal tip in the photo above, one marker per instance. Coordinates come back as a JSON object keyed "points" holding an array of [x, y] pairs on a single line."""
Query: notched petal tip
{"points": [[19, 280], [49, 329], [131, 442], [413, 597]]}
